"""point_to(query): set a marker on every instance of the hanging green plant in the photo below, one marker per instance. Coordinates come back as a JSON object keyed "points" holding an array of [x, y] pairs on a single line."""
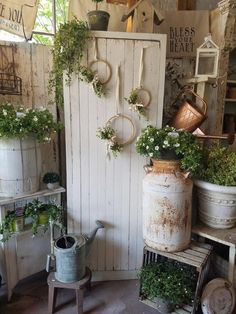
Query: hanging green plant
{"points": [[69, 46]]}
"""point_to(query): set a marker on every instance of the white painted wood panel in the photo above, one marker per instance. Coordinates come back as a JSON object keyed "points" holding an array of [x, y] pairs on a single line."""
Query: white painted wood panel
{"points": [[111, 190]]}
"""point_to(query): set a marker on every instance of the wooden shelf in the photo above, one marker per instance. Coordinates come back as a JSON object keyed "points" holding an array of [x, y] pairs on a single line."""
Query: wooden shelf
{"points": [[231, 81], [47, 192], [230, 99]]}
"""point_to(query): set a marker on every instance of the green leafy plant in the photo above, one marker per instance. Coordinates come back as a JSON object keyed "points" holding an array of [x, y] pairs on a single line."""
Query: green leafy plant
{"points": [[161, 143], [219, 165], [21, 122], [169, 280], [6, 227], [35, 208], [108, 133], [69, 46], [136, 105], [51, 177]]}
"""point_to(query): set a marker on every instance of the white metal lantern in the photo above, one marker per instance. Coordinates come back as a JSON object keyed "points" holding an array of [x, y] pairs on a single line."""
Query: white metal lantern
{"points": [[207, 59]]}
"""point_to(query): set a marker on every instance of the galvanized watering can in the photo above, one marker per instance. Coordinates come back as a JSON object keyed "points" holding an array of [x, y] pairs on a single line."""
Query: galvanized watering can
{"points": [[69, 257]]}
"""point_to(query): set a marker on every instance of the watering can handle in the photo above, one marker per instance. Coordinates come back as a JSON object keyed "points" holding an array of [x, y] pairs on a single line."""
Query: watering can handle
{"points": [[204, 107]]}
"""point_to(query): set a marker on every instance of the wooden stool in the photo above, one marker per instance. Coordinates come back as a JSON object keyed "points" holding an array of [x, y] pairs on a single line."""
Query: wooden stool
{"points": [[78, 286]]}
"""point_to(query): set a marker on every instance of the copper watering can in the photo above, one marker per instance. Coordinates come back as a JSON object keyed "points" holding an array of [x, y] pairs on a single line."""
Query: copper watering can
{"points": [[189, 115]]}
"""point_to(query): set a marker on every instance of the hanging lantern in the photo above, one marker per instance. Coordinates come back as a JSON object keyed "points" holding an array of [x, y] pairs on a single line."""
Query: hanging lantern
{"points": [[207, 58]]}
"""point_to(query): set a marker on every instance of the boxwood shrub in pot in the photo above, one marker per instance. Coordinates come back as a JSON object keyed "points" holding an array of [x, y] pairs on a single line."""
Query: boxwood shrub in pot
{"points": [[216, 187], [168, 281], [52, 180]]}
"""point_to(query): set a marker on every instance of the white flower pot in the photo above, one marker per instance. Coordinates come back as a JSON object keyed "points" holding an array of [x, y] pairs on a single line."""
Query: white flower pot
{"points": [[216, 204], [53, 186]]}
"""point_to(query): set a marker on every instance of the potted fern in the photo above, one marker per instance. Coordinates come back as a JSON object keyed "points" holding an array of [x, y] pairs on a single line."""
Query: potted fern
{"points": [[216, 187], [98, 19]]}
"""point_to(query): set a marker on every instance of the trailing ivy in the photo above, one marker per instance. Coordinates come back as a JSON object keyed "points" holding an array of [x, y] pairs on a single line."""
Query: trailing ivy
{"points": [[69, 47]]}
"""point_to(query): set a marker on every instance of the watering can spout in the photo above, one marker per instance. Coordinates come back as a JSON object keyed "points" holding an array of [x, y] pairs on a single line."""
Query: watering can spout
{"points": [[90, 237]]}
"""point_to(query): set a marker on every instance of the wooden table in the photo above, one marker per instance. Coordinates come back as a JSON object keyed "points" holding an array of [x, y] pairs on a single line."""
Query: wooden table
{"points": [[223, 236]]}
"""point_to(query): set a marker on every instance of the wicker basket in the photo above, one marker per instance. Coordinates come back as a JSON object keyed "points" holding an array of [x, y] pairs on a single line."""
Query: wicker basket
{"points": [[189, 116]]}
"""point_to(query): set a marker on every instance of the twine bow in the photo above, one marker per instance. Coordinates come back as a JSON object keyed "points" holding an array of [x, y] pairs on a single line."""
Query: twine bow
{"points": [[109, 144]]}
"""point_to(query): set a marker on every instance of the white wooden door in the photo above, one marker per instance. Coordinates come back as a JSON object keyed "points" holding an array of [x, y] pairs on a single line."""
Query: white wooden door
{"points": [[111, 190]]}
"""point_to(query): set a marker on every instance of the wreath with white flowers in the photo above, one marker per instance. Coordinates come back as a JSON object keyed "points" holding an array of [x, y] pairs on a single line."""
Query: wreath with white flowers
{"points": [[108, 133], [136, 101]]}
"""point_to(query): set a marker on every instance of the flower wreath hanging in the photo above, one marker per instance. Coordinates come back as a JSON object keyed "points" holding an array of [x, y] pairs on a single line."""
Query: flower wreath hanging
{"points": [[92, 77], [137, 104], [139, 97], [108, 133]]}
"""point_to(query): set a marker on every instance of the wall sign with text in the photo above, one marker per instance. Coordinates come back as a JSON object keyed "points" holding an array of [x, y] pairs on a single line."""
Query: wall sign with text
{"points": [[18, 16], [185, 31]]}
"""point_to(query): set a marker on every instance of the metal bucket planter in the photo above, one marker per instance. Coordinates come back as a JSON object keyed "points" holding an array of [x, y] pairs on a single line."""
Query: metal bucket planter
{"points": [[98, 20], [20, 161], [216, 204], [167, 207]]}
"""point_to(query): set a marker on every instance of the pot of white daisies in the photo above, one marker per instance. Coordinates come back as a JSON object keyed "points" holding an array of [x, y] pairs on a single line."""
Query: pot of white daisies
{"points": [[21, 132]]}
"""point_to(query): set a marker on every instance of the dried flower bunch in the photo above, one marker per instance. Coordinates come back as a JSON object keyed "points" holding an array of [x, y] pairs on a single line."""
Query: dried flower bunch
{"points": [[21, 122], [169, 143], [108, 133]]}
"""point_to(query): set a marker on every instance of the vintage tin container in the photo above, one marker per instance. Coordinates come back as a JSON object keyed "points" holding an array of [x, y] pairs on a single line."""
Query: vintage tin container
{"points": [[167, 207]]}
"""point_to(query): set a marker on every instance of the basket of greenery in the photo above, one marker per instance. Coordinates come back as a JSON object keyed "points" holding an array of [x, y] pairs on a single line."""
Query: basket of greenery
{"points": [[216, 187], [42, 213], [52, 180], [168, 284], [98, 19]]}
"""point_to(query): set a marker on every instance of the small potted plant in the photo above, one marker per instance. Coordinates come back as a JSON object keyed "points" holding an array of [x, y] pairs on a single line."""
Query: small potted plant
{"points": [[98, 19], [216, 187], [168, 284], [13, 222], [52, 180], [41, 213]]}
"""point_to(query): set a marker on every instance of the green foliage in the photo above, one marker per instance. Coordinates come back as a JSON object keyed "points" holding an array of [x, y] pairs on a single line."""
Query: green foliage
{"points": [[136, 105], [51, 177], [20, 122], [108, 133], [156, 143], [34, 208], [169, 280], [219, 166], [6, 227], [69, 46]]}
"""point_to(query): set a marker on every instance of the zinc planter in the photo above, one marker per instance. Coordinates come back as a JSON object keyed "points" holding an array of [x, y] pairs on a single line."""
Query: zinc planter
{"points": [[98, 20], [20, 161], [216, 204], [167, 207]]}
